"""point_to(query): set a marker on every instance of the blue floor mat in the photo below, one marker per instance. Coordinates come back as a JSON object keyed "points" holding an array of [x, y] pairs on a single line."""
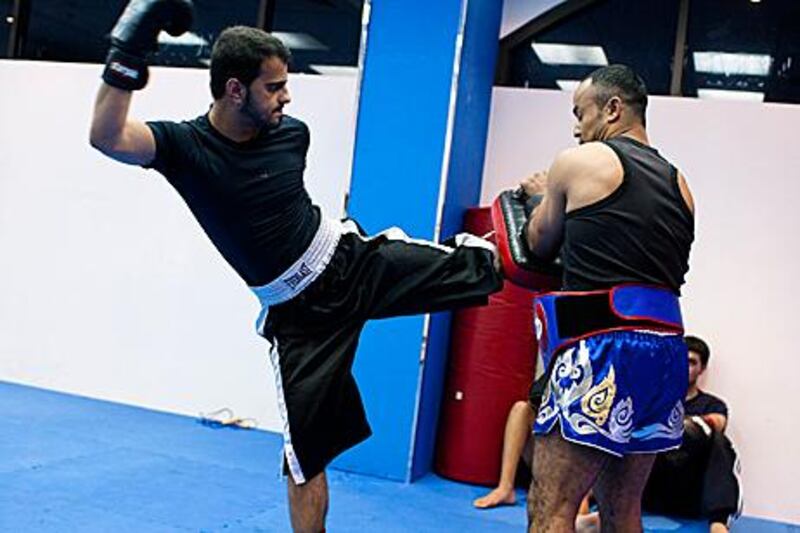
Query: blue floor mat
{"points": [[72, 464]]}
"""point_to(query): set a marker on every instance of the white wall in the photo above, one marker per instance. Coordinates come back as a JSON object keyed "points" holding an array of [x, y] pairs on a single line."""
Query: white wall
{"points": [[109, 289], [743, 166]]}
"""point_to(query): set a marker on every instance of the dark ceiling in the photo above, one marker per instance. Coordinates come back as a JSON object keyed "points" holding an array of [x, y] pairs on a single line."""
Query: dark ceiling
{"points": [[77, 30], [642, 34]]}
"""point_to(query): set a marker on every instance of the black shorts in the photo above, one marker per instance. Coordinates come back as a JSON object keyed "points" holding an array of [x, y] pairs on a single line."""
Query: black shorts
{"points": [[314, 335]]}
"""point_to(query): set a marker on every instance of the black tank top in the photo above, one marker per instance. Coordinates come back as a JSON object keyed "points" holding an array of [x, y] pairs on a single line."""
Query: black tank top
{"points": [[640, 233]]}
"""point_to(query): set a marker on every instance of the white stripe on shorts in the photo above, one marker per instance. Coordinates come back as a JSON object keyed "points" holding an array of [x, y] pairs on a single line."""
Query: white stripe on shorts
{"points": [[288, 449], [462, 239]]}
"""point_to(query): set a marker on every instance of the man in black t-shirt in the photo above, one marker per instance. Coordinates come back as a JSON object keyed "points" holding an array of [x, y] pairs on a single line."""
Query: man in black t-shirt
{"points": [[239, 168], [699, 479]]}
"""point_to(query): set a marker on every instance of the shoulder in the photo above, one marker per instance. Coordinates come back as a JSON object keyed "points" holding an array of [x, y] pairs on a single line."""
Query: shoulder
{"points": [[591, 154], [589, 159], [178, 128], [292, 124], [293, 131], [713, 402]]}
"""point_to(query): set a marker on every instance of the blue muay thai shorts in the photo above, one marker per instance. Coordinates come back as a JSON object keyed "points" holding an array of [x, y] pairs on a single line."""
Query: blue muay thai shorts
{"points": [[618, 368]]}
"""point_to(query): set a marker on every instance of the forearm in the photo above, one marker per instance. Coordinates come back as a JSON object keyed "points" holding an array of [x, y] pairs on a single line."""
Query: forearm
{"points": [[716, 421], [540, 237], [110, 115], [709, 422]]}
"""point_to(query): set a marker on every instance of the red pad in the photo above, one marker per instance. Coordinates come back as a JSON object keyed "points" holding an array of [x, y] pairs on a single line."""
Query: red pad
{"points": [[519, 266], [492, 362]]}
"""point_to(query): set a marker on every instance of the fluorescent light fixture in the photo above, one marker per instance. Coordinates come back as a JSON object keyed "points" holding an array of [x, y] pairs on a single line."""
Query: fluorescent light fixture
{"points": [[568, 85], [185, 39], [335, 70], [727, 63], [10, 19], [722, 94], [299, 41], [570, 54]]}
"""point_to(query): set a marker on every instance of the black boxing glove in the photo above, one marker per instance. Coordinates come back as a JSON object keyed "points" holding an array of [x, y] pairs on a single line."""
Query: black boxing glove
{"points": [[135, 35]]}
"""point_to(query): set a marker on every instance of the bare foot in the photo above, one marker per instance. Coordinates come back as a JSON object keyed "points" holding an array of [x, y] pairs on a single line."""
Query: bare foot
{"points": [[718, 527], [587, 523], [498, 496]]}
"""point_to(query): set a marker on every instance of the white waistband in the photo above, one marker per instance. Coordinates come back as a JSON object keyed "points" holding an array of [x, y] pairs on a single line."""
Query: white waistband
{"points": [[305, 270]]}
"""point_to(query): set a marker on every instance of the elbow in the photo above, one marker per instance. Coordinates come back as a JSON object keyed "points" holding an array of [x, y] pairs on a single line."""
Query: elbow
{"points": [[96, 141], [102, 143]]}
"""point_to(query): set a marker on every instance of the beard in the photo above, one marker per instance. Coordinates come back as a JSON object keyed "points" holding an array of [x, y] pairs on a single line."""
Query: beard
{"points": [[258, 118]]}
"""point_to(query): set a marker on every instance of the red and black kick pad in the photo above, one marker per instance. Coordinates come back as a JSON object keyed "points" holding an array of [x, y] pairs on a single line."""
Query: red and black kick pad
{"points": [[510, 212]]}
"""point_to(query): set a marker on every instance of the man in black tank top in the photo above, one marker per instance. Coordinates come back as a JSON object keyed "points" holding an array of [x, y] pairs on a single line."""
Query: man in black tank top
{"points": [[239, 168], [621, 217]]}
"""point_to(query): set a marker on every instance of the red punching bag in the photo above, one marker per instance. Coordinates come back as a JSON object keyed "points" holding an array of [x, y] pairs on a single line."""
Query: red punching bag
{"points": [[492, 362]]}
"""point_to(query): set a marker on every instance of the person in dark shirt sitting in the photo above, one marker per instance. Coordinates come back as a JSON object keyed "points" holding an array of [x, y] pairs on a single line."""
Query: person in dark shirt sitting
{"points": [[699, 479]]}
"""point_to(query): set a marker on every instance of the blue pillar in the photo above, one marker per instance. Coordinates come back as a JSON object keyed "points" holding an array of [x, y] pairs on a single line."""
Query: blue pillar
{"points": [[420, 142]]}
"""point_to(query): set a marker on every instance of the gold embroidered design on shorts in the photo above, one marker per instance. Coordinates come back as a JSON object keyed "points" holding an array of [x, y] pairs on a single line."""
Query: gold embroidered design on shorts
{"points": [[596, 403]]}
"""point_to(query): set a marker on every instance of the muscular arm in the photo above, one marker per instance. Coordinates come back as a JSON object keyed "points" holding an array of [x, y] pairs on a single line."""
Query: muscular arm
{"points": [[117, 136], [579, 177], [546, 226]]}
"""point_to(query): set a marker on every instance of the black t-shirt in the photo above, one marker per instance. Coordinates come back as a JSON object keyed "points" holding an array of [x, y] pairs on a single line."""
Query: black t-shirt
{"points": [[248, 197], [705, 404], [641, 233]]}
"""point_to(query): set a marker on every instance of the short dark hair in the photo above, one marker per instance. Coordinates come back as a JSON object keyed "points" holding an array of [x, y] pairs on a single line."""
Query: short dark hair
{"points": [[238, 53], [698, 346], [622, 81]]}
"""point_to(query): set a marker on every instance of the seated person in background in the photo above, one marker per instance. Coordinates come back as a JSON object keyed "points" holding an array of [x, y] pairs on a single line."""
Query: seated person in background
{"points": [[517, 443], [699, 479]]}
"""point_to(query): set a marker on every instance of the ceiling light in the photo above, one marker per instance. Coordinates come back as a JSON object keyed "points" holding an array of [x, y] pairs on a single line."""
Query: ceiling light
{"points": [[10, 19], [568, 85], [185, 39], [726, 63], [334, 70], [721, 94], [299, 41], [570, 54]]}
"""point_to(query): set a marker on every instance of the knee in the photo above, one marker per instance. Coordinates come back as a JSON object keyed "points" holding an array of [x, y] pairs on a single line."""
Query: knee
{"points": [[522, 410], [621, 512], [521, 406], [546, 501]]}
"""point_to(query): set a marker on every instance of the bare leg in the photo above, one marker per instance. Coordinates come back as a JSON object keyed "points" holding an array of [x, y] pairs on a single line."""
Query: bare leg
{"points": [[619, 492], [563, 473], [718, 527], [308, 504], [518, 431]]}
